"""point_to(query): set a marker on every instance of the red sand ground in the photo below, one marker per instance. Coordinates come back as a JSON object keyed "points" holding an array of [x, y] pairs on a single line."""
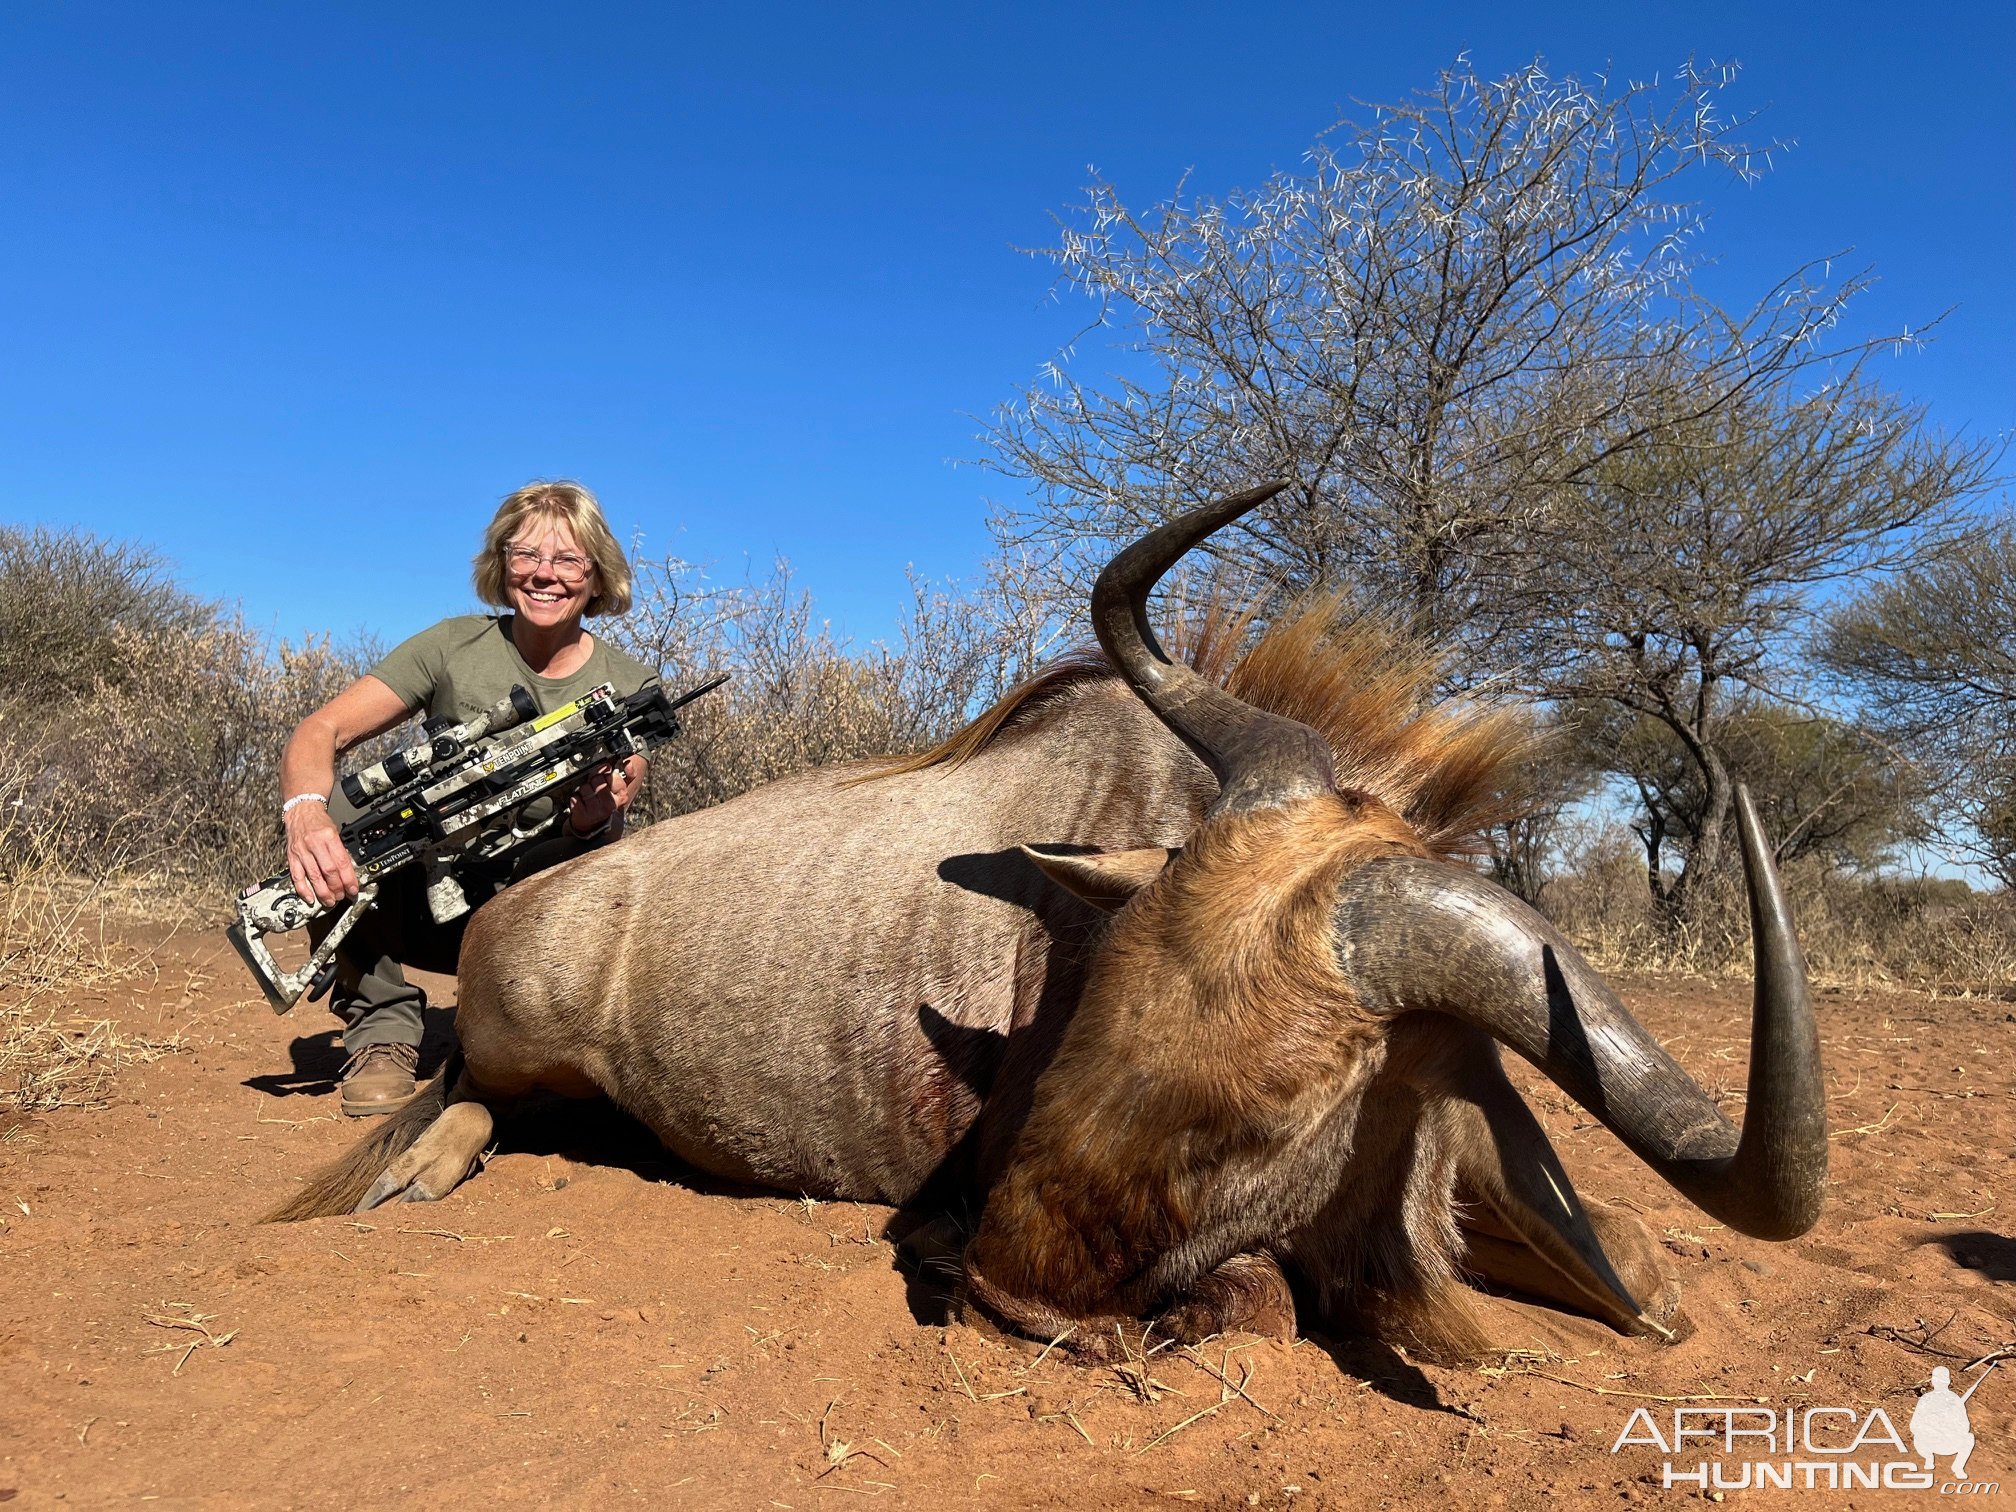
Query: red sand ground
{"points": [[582, 1326]]}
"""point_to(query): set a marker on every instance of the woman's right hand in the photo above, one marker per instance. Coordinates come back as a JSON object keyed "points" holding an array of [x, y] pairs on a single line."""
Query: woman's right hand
{"points": [[317, 859]]}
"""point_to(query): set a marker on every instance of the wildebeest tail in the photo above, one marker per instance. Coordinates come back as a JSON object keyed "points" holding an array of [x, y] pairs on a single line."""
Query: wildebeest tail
{"points": [[339, 1186]]}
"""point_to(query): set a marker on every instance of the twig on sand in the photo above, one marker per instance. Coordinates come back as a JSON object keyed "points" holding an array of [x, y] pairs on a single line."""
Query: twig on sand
{"points": [[259, 1116], [195, 1322], [1144, 1386], [1072, 1418], [1922, 1342], [1169, 1433], [965, 1384], [1240, 1389], [1643, 1396], [1228, 1391], [839, 1452], [1047, 1348], [1874, 1128]]}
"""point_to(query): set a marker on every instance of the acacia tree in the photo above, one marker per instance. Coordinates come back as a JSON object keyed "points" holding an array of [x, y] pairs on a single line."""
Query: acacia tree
{"points": [[1449, 318], [1686, 578], [1933, 656], [1823, 786]]}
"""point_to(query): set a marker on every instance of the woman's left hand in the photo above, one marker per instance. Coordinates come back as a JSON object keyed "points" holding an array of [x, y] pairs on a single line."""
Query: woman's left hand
{"points": [[601, 800]]}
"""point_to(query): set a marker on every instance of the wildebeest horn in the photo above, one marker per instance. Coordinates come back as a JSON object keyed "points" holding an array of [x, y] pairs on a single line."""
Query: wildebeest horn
{"points": [[1417, 934], [1259, 759]]}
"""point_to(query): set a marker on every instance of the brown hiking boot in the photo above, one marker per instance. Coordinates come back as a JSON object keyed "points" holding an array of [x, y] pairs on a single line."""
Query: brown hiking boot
{"points": [[379, 1079]]}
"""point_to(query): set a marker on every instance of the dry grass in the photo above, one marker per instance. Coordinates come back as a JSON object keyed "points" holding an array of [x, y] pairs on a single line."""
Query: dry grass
{"points": [[140, 733], [62, 935], [56, 941], [1857, 932], [46, 1064]]}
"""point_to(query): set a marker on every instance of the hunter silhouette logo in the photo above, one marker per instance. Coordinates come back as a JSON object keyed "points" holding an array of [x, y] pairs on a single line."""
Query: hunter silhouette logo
{"points": [[1813, 1447], [1939, 1422]]}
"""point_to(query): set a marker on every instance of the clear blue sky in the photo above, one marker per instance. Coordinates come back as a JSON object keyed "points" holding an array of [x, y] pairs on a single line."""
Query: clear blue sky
{"points": [[295, 293]]}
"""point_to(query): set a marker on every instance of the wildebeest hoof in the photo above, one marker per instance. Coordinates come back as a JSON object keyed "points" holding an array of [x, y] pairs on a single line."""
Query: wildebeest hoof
{"points": [[438, 1162], [1247, 1294]]}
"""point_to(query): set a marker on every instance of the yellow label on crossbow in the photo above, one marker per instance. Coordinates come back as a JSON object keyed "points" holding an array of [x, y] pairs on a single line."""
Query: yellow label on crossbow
{"points": [[547, 721]]}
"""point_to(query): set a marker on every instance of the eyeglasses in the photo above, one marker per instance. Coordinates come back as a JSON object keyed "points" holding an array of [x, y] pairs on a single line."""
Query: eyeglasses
{"points": [[567, 566]]}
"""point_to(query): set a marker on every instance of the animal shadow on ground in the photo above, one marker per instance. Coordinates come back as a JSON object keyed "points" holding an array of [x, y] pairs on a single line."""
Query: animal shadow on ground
{"points": [[926, 1239], [1386, 1371], [1991, 1255], [595, 1132], [928, 1242], [318, 1059]]}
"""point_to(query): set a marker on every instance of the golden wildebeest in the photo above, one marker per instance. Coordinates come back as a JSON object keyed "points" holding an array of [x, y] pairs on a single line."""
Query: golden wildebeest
{"points": [[1175, 981]]}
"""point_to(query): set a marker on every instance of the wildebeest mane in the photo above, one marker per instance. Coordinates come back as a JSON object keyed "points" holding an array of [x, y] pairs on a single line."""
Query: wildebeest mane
{"points": [[1451, 769]]}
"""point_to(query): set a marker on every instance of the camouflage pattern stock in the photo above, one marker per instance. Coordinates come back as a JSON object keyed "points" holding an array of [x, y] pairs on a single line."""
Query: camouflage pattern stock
{"points": [[275, 900], [465, 801], [514, 708]]}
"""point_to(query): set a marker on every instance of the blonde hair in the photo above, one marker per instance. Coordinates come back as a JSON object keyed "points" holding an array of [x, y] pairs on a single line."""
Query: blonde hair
{"points": [[562, 503]]}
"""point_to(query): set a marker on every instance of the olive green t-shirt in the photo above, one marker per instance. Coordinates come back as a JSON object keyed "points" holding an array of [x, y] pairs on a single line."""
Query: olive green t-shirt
{"points": [[464, 665]]}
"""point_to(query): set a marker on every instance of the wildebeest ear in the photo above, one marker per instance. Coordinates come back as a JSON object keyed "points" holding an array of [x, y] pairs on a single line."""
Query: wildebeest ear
{"points": [[1105, 879]]}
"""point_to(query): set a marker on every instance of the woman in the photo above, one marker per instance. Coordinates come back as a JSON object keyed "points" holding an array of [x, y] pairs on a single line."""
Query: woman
{"points": [[549, 559]]}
